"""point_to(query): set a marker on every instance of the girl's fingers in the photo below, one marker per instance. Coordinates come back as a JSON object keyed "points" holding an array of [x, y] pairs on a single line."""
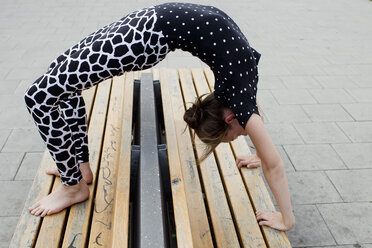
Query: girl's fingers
{"points": [[264, 223]]}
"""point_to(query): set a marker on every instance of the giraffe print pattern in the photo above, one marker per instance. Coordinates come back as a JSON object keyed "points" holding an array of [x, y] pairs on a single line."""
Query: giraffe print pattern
{"points": [[54, 100]]}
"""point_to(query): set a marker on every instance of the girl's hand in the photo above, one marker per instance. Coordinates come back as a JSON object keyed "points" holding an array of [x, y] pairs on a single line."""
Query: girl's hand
{"points": [[249, 161], [274, 220]]}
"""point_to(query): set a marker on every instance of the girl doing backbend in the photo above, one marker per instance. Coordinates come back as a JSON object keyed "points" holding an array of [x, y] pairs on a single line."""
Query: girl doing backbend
{"points": [[139, 41]]}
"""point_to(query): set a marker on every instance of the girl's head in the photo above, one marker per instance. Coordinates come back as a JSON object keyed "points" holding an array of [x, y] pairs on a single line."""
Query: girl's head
{"points": [[212, 122]]}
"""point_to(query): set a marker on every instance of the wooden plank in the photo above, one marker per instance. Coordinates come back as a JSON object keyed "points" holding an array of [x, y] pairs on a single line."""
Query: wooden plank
{"points": [[260, 196], [78, 221], [198, 216], [223, 226], [182, 221], [28, 226], [244, 216], [100, 233], [120, 227]]}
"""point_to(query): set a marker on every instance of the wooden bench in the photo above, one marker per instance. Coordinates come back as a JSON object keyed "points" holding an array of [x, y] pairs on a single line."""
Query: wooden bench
{"points": [[214, 202], [93, 222], [148, 190]]}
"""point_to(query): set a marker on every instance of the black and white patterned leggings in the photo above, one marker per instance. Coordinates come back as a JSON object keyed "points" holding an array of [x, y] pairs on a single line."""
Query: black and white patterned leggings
{"points": [[54, 100]]}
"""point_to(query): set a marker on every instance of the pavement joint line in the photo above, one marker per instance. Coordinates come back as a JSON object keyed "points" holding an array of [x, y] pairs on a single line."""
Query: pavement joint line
{"points": [[19, 166]]}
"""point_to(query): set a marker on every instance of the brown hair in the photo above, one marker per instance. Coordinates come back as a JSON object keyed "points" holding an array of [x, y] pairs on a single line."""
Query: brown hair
{"points": [[205, 116]]}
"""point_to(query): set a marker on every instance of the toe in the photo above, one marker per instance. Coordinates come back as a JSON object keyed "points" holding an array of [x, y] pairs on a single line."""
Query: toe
{"points": [[35, 210], [44, 212], [34, 206], [39, 211]]}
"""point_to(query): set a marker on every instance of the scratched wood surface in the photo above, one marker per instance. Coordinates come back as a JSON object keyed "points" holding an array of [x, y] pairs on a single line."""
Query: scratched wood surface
{"points": [[120, 226], [79, 216], [222, 221], [244, 216], [28, 227], [257, 190], [182, 219], [201, 233], [100, 233]]}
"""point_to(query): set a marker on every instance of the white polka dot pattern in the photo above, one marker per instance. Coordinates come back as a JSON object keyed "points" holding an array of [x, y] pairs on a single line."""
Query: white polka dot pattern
{"points": [[210, 34]]}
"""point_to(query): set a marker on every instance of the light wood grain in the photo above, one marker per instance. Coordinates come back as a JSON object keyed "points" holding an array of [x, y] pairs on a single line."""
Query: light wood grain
{"points": [[78, 221], [181, 213], [120, 227], [223, 225], [198, 215], [100, 230]]}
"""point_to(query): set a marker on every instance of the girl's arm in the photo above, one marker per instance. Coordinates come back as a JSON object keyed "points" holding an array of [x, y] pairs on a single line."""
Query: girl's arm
{"points": [[273, 169]]}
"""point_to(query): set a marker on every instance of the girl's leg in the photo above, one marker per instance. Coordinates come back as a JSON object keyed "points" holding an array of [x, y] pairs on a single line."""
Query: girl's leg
{"points": [[73, 110]]}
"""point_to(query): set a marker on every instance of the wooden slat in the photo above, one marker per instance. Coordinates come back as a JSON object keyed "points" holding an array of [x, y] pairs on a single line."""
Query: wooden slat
{"points": [[223, 226], [259, 195], [78, 221], [120, 227], [28, 225], [181, 213], [198, 216], [100, 233], [245, 218]]}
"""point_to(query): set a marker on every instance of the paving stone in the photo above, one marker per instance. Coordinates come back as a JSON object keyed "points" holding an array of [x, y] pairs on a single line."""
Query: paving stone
{"points": [[349, 223], [355, 155], [29, 166], [4, 134], [326, 112], [345, 246], [283, 134], [336, 82], [8, 86], [314, 157], [357, 131], [310, 229], [331, 95], [361, 95], [16, 117], [7, 227], [300, 82], [362, 81], [359, 111], [9, 164], [286, 114], [270, 82], [24, 140], [293, 96], [315, 184], [321, 133], [353, 185], [13, 196], [266, 99]]}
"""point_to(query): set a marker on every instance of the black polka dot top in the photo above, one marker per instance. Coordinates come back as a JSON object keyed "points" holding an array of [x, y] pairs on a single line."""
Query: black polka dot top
{"points": [[210, 34]]}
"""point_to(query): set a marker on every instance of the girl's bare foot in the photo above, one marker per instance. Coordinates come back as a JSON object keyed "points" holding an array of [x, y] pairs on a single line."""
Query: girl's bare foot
{"points": [[84, 168], [61, 198]]}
